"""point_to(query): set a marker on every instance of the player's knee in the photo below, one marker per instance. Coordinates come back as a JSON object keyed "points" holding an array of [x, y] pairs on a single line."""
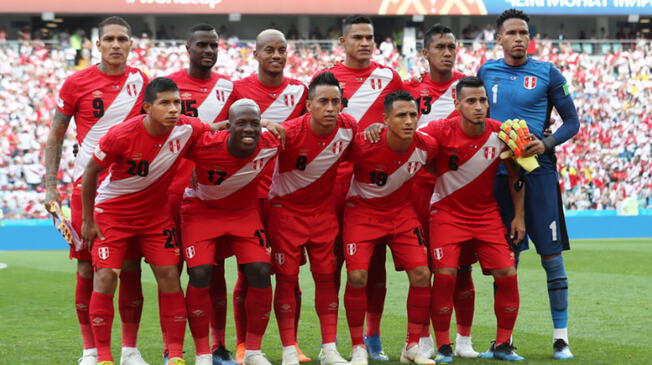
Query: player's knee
{"points": [[446, 270], [291, 281], [167, 278], [131, 265], [501, 273], [200, 276], [105, 280], [548, 257], [85, 269], [465, 269], [357, 278], [419, 276], [258, 274]]}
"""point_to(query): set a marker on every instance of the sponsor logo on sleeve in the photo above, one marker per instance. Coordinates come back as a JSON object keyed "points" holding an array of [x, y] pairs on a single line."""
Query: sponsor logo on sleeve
{"points": [[101, 155]]}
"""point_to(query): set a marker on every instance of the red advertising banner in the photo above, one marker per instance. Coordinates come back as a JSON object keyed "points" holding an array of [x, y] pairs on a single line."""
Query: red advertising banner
{"points": [[389, 7]]}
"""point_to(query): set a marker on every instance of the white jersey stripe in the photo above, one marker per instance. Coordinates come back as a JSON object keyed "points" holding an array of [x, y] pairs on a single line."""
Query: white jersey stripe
{"points": [[453, 180], [116, 113], [212, 106], [165, 158], [441, 108], [417, 159], [234, 182], [293, 180], [368, 92], [281, 108]]}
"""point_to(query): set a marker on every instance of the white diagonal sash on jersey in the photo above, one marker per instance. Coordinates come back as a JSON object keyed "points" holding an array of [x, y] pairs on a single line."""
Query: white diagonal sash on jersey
{"points": [[116, 113], [211, 107], [280, 109], [236, 181], [159, 166], [293, 180], [441, 108], [453, 180], [394, 181], [368, 92]]}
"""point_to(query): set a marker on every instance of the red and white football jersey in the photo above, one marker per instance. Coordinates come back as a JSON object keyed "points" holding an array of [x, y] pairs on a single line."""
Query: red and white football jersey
{"points": [[466, 168], [278, 104], [223, 180], [141, 166], [306, 168], [436, 100], [97, 102], [382, 179], [209, 100]]}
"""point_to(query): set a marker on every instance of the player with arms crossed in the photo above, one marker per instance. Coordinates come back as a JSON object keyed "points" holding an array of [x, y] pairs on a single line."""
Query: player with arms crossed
{"points": [[98, 98], [435, 96], [207, 95], [280, 98], [302, 212], [364, 85], [378, 212], [130, 210], [465, 214], [220, 217], [523, 88]]}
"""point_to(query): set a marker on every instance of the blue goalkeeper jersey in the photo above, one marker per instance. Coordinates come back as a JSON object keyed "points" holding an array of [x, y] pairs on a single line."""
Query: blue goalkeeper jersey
{"points": [[529, 92]]}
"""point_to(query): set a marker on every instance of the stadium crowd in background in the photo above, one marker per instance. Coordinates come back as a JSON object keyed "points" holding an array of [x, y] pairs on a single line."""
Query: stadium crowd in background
{"points": [[608, 161]]}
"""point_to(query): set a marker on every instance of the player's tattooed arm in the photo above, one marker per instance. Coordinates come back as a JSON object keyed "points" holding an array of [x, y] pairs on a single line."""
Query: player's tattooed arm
{"points": [[53, 150], [517, 230], [372, 132], [90, 229]]}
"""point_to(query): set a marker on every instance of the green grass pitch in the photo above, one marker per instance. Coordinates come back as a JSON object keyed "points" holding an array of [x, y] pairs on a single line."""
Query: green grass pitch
{"points": [[610, 310]]}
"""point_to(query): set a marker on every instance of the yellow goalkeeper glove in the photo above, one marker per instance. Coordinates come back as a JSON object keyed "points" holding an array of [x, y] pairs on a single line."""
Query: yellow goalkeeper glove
{"points": [[514, 134]]}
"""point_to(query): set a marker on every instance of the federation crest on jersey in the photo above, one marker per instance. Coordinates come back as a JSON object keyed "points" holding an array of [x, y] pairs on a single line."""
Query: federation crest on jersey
{"points": [[190, 252], [289, 100], [257, 164], [351, 248], [279, 257], [221, 95], [376, 83], [175, 146], [413, 166], [103, 253], [132, 90], [337, 147], [489, 152], [529, 82]]}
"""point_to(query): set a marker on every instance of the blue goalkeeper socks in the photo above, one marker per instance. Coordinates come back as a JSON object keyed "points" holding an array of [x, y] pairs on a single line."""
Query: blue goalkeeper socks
{"points": [[557, 290]]}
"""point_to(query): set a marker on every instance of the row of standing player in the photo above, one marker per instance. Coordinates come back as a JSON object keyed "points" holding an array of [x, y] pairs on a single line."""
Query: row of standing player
{"points": [[270, 53]]}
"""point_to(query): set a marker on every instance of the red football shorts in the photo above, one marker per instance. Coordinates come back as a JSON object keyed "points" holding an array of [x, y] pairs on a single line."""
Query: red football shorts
{"points": [[290, 232], [174, 204], [133, 252], [364, 228], [452, 244], [211, 234], [156, 237]]}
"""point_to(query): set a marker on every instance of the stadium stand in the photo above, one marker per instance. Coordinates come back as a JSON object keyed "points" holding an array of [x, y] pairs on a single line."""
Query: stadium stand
{"points": [[608, 161]]}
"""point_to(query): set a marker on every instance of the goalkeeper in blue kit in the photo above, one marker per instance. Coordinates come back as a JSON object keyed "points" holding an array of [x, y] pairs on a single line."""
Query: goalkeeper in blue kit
{"points": [[527, 89]]}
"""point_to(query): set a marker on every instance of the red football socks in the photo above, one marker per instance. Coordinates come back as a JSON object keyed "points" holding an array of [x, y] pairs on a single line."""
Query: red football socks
{"points": [[297, 309], [101, 315], [258, 305], [172, 309], [376, 291], [355, 304], [284, 307], [218, 301], [418, 310], [239, 312], [198, 306], [83, 291], [506, 302], [442, 307], [464, 302], [130, 306], [326, 305]]}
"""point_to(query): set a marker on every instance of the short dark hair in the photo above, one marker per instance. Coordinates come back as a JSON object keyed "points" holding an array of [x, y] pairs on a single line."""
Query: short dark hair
{"points": [[324, 78], [511, 14], [114, 20], [469, 81], [355, 19], [434, 30], [201, 27], [396, 96], [158, 85]]}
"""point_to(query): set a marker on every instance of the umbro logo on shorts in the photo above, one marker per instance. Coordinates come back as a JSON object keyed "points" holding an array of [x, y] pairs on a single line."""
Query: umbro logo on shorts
{"points": [[351, 248]]}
